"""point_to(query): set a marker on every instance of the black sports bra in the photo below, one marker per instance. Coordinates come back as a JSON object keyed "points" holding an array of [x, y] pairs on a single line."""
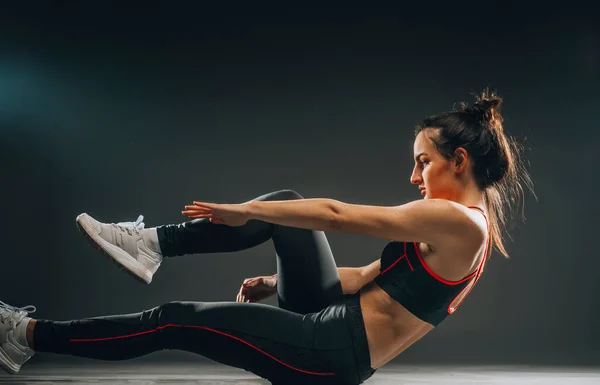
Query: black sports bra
{"points": [[405, 276]]}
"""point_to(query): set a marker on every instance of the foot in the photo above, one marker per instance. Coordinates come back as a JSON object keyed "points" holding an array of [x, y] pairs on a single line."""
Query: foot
{"points": [[126, 243], [12, 353]]}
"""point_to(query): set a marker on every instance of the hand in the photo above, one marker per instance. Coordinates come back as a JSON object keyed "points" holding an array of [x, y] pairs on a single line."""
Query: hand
{"points": [[222, 214], [256, 289]]}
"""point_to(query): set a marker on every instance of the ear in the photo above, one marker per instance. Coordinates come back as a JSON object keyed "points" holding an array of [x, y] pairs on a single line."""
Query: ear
{"points": [[461, 158]]}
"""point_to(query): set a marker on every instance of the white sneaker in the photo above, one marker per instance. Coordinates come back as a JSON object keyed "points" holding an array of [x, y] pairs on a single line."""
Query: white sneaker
{"points": [[124, 243], [12, 353]]}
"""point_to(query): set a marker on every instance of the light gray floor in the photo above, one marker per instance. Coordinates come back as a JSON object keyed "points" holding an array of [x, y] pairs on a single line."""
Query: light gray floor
{"points": [[186, 373]]}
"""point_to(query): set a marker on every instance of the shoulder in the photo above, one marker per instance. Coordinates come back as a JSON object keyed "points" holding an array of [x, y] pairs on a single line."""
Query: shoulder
{"points": [[440, 209], [451, 219], [470, 224]]}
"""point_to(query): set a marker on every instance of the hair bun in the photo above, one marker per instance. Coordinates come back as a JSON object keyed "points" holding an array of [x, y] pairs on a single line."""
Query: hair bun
{"points": [[486, 105], [487, 108]]}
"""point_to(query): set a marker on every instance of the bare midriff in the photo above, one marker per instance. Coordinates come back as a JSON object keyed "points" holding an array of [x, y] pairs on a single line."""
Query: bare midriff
{"points": [[390, 328]]}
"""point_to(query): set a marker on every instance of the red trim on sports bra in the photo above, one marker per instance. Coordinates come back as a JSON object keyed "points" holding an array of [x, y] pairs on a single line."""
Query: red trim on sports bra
{"points": [[445, 281], [434, 275], [479, 270], [489, 243], [482, 213], [204, 328], [399, 259], [477, 208]]}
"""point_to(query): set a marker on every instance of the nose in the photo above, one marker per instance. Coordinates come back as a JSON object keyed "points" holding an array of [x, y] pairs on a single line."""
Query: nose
{"points": [[415, 178]]}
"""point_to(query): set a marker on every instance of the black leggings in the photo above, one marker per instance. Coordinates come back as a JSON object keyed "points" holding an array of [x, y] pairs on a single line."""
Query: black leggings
{"points": [[316, 336]]}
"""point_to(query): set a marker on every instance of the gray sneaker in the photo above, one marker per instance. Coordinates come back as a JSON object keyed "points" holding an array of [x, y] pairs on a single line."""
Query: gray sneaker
{"points": [[12, 353], [125, 243]]}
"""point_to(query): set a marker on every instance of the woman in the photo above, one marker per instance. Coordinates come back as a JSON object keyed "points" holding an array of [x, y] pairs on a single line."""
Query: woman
{"points": [[333, 325]]}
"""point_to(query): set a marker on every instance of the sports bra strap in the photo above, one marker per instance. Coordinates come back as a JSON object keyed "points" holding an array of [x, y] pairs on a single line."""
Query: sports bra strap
{"points": [[477, 208], [488, 226], [482, 213]]}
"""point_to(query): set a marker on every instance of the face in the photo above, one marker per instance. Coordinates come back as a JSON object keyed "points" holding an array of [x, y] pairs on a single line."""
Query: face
{"points": [[435, 175]]}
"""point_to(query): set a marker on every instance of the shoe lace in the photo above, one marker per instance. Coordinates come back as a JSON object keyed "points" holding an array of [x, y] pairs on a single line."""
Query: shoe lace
{"points": [[130, 227], [8, 312]]}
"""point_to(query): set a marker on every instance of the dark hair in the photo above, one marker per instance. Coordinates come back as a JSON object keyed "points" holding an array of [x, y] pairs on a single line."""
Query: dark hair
{"points": [[497, 165]]}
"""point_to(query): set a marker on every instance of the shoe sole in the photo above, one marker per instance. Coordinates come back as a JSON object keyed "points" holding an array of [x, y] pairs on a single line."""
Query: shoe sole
{"points": [[125, 262], [6, 363]]}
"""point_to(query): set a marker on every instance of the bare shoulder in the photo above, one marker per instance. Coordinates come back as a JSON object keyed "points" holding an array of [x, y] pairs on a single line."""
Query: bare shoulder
{"points": [[460, 236], [457, 220], [444, 211], [472, 223], [431, 221]]}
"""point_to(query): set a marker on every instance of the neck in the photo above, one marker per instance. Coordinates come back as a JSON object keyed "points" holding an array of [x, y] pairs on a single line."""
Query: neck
{"points": [[470, 195]]}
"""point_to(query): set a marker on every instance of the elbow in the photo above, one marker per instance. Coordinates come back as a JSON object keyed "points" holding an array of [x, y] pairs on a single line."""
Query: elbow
{"points": [[335, 215], [351, 290]]}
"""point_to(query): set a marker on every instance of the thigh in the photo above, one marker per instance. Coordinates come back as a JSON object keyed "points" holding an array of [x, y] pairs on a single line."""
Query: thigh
{"points": [[308, 279], [307, 275], [273, 343]]}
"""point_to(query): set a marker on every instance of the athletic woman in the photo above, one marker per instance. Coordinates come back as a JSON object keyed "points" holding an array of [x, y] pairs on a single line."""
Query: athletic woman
{"points": [[333, 325]]}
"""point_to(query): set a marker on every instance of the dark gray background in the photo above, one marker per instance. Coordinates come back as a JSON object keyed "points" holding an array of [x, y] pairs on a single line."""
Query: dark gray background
{"points": [[118, 111]]}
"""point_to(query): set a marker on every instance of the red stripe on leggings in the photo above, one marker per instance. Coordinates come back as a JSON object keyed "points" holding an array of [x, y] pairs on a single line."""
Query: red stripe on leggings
{"points": [[204, 328]]}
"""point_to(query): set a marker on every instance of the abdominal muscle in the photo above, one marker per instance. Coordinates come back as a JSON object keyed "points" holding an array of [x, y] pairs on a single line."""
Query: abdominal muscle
{"points": [[390, 328]]}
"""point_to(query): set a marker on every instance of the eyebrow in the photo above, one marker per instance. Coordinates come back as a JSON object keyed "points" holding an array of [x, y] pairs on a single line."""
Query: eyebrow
{"points": [[418, 156]]}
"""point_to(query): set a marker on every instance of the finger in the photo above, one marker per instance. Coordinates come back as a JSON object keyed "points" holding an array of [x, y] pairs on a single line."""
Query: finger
{"points": [[198, 210], [192, 211], [194, 207], [200, 215], [195, 212], [205, 213], [204, 204], [197, 216]]}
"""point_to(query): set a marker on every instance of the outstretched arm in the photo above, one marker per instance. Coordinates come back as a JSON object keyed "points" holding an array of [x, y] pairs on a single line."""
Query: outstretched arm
{"points": [[429, 221], [433, 221], [313, 213]]}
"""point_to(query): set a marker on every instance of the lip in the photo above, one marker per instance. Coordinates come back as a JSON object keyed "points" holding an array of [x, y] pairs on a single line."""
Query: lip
{"points": [[423, 191]]}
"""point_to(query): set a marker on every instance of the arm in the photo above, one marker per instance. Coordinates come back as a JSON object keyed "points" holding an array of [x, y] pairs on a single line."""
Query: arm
{"points": [[431, 221], [313, 214], [351, 279], [355, 278]]}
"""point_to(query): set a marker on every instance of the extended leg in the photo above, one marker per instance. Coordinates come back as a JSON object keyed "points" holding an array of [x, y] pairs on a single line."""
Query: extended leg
{"points": [[273, 343]]}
